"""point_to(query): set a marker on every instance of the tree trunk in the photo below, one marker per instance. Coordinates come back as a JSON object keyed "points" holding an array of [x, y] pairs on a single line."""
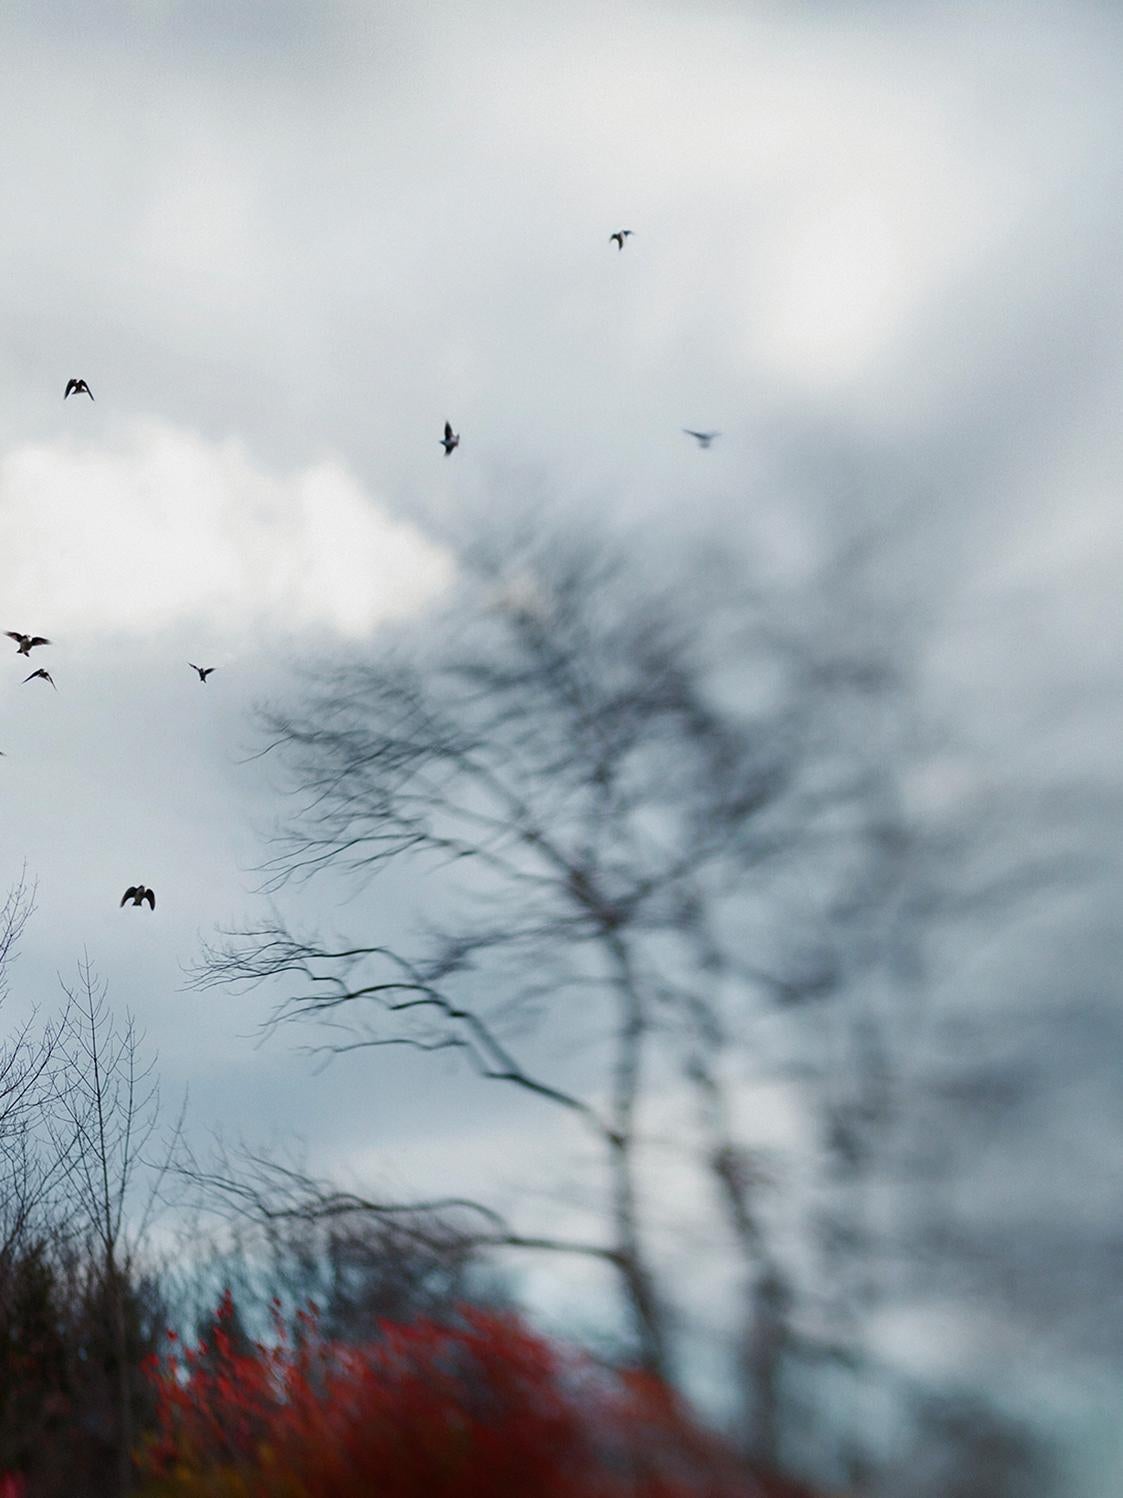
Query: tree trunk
{"points": [[124, 1393], [648, 1312]]}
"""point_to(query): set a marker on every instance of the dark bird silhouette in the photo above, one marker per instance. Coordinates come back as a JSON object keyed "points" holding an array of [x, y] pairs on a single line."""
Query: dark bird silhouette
{"points": [[619, 237], [77, 387], [138, 893], [46, 675], [25, 644], [204, 671], [704, 438], [450, 439]]}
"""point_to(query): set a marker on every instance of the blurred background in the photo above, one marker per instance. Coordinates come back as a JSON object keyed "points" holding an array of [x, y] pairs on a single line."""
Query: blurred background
{"points": [[679, 882]]}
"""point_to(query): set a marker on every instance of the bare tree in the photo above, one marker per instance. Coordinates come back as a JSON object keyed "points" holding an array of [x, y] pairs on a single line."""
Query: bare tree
{"points": [[106, 1112], [616, 799], [27, 1056], [77, 1310]]}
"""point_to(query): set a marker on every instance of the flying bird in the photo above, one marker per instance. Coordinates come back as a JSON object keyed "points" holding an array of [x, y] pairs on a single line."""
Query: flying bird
{"points": [[77, 387], [450, 439], [25, 644], [704, 438], [619, 237], [138, 893], [204, 671], [46, 675]]}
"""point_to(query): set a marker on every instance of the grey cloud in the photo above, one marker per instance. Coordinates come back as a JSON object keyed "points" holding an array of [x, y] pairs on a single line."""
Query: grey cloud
{"points": [[879, 251]]}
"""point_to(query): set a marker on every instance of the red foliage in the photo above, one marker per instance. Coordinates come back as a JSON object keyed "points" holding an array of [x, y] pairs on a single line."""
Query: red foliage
{"points": [[481, 1409]]}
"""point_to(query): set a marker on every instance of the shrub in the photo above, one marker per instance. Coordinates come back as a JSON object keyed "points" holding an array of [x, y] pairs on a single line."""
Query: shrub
{"points": [[481, 1406]]}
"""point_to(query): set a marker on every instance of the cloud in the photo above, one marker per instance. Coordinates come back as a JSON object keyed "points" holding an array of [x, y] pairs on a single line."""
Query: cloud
{"points": [[160, 526]]}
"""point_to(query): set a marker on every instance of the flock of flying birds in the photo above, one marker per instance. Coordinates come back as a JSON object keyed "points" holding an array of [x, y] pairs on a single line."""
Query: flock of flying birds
{"points": [[25, 644]]}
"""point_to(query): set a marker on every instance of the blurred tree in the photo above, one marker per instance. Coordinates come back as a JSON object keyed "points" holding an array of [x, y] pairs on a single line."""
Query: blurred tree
{"points": [[287, 1238], [652, 826]]}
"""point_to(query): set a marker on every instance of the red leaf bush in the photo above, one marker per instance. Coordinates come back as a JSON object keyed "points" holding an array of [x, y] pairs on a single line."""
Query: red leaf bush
{"points": [[481, 1408]]}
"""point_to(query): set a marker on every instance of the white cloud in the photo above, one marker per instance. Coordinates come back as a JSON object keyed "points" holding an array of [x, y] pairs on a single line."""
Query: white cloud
{"points": [[161, 526]]}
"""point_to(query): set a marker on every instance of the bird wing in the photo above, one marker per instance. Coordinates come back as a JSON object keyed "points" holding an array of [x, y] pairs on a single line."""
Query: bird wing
{"points": [[150, 896], [38, 640], [12, 635], [71, 386], [130, 894], [206, 671], [448, 430], [32, 677]]}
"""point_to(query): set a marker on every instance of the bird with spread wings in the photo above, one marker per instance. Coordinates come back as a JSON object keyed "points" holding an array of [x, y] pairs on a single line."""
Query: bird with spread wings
{"points": [[25, 644]]}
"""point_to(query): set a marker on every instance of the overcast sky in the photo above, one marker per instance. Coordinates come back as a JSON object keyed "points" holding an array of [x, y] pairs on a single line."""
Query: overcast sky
{"points": [[877, 247]]}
